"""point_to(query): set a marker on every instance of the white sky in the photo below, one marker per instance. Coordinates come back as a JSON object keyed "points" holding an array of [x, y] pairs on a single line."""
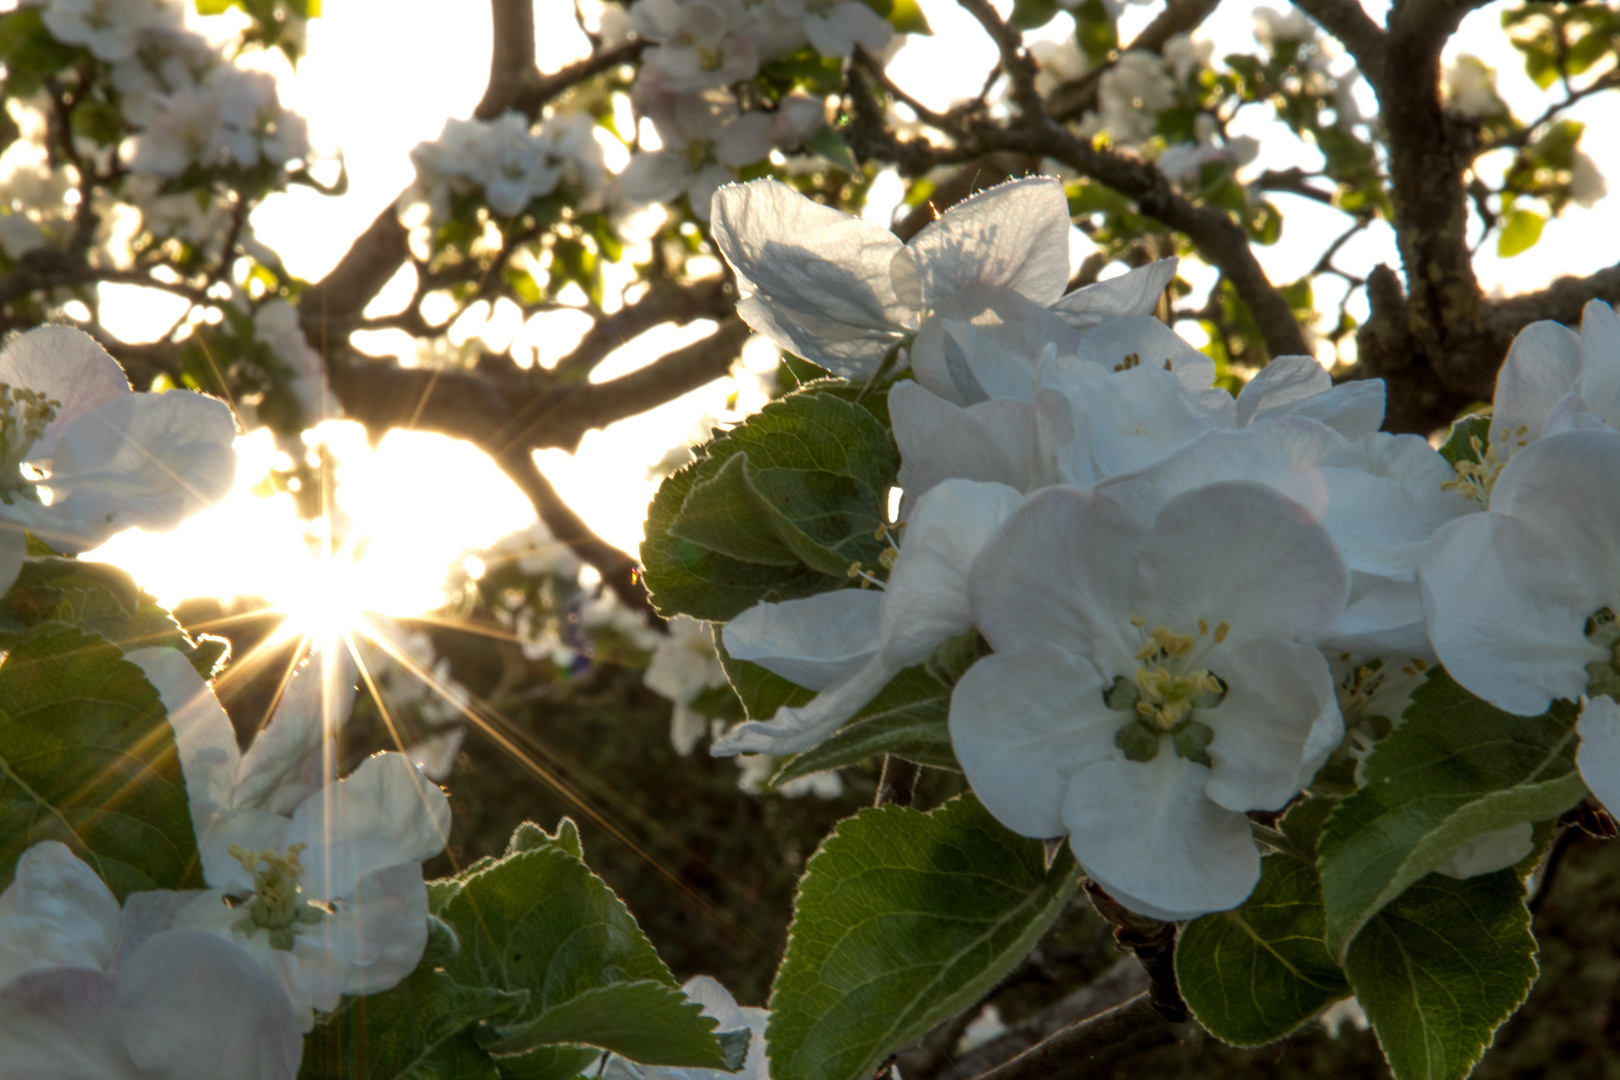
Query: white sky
{"points": [[382, 75]]}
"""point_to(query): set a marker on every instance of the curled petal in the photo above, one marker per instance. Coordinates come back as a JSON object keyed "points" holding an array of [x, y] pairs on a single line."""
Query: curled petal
{"points": [[67, 366], [55, 913], [817, 642], [1134, 293], [1015, 235], [384, 813]]}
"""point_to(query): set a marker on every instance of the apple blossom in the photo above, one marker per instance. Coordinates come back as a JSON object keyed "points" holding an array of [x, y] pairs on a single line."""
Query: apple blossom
{"points": [[108, 28], [330, 899], [82, 456], [683, 665], [1140, 702], [849, 643], [705, 141], [87, 991]]}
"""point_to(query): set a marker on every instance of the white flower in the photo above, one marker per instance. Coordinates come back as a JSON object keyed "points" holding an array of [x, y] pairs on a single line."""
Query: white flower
{"points": [[705, 140], [842, 292], [276, 324], [1521, 599], [1586, 185], [1130, 97], [1140, 700], [108, 28], [846, 25], [683, 665], [253, 123], [718, 1003], [86, 991], [186, 130], [699, 44], [330, 899], [83, 457], [1272, 27], [1186, 54], [849, 643], [1470, 87]]}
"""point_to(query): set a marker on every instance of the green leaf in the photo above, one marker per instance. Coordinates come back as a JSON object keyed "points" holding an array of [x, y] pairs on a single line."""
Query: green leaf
{"points": [[1440, 969], [906, 16], [723, 513], [761, 691], [87, 757], [1455, 768], [904, 919], [416, 1031], [1460, 443], [1253, 974], [1032, 14], [1520, 231], [643, 1021], [907, 719], [539, 921], [831, 145]]}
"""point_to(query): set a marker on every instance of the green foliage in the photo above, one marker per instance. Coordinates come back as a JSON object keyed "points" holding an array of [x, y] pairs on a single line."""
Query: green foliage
{"points": [[1465, 433], [539, 922], [101, 599], [1440, 969], [1032, 14], [1253, 974], [778, 507], [30, 52], [1455, 769], [831, 145], [1520, 231], [908, 719], [87, 757], [904, 919], [533, 968]]}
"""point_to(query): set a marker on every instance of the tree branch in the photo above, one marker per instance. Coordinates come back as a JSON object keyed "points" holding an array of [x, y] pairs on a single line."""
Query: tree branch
{"points": [[1364, 39], [1063, 1055], [511, 57], [618, 570], [1076, 97]]}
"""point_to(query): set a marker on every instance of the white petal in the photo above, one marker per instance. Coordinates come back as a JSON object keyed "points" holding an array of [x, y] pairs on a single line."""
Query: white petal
{"points": [[795, 729], [202, 731], [193, 1006], [1000, 337], [1282, 384], [1600, 361], [1383, 618], [817, 642], [926, 601], [743, 141], [1146, 833], [142, 459], [1134, 293], [55, 913], [1136, 418], [1543, 364], [1276, 726], [382, 814], [1599, 754], [1023, 723], [659, 176], [1280, 573], [992, 441], [1505, 615], [293, 756], [859, 23], [1015, 235], [1060, 570], [67, 366], [377, 935], [1142, 341], [817, 269], [1354, 409], [62, 1024]]}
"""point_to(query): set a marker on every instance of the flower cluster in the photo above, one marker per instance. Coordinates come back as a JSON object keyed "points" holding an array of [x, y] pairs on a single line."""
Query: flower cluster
{"points": [[1182, 593]]}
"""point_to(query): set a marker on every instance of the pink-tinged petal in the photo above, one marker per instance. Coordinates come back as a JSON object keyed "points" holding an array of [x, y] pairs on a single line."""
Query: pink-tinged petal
{"points": [[926, 600], [384, 813], [817, 642], [1276, 726], [377, 935], [56, 913], [1023, 724], [1280, 573], [193, 1006], [1600, 361], [1061, 570], [818, 273], [1543, 364], [67, 366], [62, 1024], [292, 757], [142, 459], [993, 441], [1136, 292], [1147, 834], [798, 728], [1599, 755], [1015, 235], [1505, 615]]}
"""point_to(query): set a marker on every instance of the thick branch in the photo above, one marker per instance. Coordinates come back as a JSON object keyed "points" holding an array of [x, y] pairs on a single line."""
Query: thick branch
{"points": [[664, 302], [1064, 1055], [511, 57]]}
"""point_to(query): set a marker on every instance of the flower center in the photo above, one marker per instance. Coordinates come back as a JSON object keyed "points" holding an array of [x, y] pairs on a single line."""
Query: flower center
{"points": [[1603, 676], [275, 906], [24, 415], [1476, 477], [1167, 690]]}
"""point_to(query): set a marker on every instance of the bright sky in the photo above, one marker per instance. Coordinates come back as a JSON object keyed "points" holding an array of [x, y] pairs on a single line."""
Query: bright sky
{"points": [[382, 75]]}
